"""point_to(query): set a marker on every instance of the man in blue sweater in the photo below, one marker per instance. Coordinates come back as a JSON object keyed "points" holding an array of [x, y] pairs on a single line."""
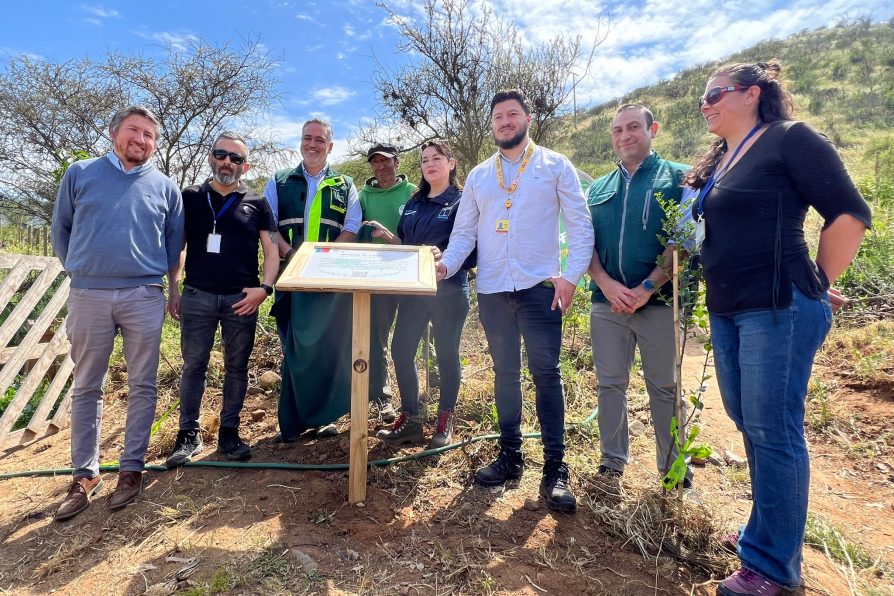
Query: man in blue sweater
{"points": [[118, 229]]}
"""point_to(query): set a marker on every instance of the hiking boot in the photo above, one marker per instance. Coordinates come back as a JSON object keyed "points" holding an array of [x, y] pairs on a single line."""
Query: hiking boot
{"points": [[385, 410], [609, 472], [80, 493], [327, 430], [406, 429], [443, 430], [746, 582], [130, 485], [554, 486], [188, 445], [509, 465], [228, 442]]}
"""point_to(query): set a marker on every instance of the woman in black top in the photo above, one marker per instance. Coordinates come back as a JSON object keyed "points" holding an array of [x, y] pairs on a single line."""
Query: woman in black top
{"points": [[427, 219], [769, 301]]}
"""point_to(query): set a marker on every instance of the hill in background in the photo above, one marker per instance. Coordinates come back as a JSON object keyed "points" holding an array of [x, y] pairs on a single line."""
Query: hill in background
{"points": [[842, 79]]}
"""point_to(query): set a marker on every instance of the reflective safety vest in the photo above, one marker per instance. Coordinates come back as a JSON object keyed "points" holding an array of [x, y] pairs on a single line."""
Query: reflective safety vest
{"points": [[327, 211]]}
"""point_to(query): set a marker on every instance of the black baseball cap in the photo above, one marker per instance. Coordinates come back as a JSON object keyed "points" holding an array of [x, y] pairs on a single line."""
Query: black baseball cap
{"points": [[379, 149]]}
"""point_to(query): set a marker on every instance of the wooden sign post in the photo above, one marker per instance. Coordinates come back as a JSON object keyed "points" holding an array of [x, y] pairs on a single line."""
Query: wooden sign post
{"points": [[362, 270]]}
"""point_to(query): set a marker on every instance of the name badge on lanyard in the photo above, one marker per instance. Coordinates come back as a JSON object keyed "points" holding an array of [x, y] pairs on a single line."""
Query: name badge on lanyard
{"points": [[699, 232], [214, 239], [213, 244]]}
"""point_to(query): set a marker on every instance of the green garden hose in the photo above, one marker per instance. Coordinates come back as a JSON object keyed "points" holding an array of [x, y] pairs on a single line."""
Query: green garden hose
{"points": [[300, 467]]}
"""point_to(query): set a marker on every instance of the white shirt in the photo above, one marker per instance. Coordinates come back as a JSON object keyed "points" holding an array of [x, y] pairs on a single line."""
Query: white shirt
{"points": [[529, 252], [353, 216]]}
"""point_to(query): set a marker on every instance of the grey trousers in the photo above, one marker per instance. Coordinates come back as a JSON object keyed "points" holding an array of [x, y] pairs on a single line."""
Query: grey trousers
{"points": [[93, 318], [614, 337]]}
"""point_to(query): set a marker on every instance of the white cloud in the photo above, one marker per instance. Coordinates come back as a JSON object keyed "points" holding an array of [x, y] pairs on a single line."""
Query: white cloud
{"points": [[100, 11], [349, 31], [652, 41], [179, 41], [329, 96]]}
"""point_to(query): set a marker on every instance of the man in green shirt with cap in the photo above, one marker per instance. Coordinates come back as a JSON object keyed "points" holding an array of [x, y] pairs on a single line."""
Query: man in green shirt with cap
{"points": [[382, 199]]}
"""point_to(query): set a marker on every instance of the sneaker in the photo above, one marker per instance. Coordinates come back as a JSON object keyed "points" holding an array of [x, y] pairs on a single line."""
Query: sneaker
{"points": [[443, 430], [187, 446], [609, 472], [406, 429], [387, 412], [509, 465], [228, 442], [327, 430], [745, 582], [554, 486]]}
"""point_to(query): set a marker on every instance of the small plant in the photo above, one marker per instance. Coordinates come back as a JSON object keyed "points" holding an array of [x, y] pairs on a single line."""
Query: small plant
{"points": [[690, 319]]}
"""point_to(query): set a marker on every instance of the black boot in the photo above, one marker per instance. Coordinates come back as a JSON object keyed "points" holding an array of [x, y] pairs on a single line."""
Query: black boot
{"points": [[228, 442], [187, 446], [554, 486], [509, 465]]}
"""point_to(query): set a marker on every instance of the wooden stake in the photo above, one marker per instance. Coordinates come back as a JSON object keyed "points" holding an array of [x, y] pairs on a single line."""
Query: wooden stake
{"points": [[359, 398], [678, 360]]}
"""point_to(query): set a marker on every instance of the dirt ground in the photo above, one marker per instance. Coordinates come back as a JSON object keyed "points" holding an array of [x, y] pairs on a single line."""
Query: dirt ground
{"points": [[424, 528]]}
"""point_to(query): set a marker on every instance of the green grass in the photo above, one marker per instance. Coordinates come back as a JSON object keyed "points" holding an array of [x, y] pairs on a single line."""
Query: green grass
{"points": [[828, 538]]}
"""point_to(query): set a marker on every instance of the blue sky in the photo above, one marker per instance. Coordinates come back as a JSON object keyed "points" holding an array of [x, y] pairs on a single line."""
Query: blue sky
{"points": [[327, 48]]}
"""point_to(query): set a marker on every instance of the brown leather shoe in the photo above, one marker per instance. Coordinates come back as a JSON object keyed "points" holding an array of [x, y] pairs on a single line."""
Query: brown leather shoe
{"points": [[78, 498], [130, 485]]}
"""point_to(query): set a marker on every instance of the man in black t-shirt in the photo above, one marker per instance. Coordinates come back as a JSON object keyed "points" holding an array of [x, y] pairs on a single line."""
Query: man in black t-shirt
{"points": [[224, 222]]}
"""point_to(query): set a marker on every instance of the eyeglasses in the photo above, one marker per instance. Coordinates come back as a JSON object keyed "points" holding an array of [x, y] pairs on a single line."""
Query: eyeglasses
{"points": [[235, 158], [716, 94]]}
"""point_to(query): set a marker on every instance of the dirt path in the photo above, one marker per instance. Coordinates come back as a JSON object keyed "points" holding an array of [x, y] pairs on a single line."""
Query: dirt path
{"points": [[424, 528]]}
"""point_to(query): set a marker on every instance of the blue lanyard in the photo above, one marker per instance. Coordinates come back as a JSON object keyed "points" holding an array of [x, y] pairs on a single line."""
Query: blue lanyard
{"points": [[217, 215], [715, 176]]}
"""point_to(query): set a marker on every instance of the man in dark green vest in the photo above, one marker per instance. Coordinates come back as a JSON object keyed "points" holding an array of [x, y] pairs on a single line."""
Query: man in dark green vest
{"points": [[628, 283], [313, 202]]}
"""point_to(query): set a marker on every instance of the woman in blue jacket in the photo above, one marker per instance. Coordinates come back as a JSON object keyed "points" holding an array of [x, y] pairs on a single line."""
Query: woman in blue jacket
{"points": [[427, 220]]}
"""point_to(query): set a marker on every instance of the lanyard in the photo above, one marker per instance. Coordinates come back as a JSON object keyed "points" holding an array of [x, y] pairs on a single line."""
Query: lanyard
{"points": [[521, 170], [217, 215], [715, 176]]}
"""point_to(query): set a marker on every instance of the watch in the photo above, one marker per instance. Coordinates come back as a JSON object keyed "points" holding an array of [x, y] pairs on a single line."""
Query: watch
{"points": [[649, 284], [267, 289]]}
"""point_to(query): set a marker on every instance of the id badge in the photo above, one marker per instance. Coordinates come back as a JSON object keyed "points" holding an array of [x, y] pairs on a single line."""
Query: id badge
{"points": [[213, 243], [699, 232], [502, 225]]}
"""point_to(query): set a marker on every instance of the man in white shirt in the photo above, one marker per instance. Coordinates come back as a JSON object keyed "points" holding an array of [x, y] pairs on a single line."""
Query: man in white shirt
{"points": [[511, 206]]}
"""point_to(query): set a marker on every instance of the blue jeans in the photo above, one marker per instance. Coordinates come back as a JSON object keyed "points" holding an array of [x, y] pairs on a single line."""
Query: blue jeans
{"points": [[200, 314], [763, 361], [507, 317], [447, 312]]}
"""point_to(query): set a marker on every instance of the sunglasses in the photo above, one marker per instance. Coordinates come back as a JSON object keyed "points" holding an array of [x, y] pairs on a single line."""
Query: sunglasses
{"points": [[716, 94], [235, 158]]}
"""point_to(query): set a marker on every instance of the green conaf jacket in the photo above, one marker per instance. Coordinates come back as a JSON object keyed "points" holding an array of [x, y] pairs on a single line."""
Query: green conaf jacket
{"points": [[627, 220]]}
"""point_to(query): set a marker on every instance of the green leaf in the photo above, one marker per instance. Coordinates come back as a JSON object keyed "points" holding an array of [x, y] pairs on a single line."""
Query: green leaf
{"points": [[676, 474]]}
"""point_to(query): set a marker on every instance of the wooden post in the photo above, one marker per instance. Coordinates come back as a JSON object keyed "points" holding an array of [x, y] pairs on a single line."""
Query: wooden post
{"points": [[359, 398], [678, 359]]}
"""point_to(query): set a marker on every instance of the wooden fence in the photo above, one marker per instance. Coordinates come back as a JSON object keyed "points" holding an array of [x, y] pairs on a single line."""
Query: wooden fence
{"points": [[34, 350]]}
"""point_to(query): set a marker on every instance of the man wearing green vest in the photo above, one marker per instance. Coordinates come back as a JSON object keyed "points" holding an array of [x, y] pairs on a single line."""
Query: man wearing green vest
{"points": [[313, 202], [382, 199], [627, 309]]}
